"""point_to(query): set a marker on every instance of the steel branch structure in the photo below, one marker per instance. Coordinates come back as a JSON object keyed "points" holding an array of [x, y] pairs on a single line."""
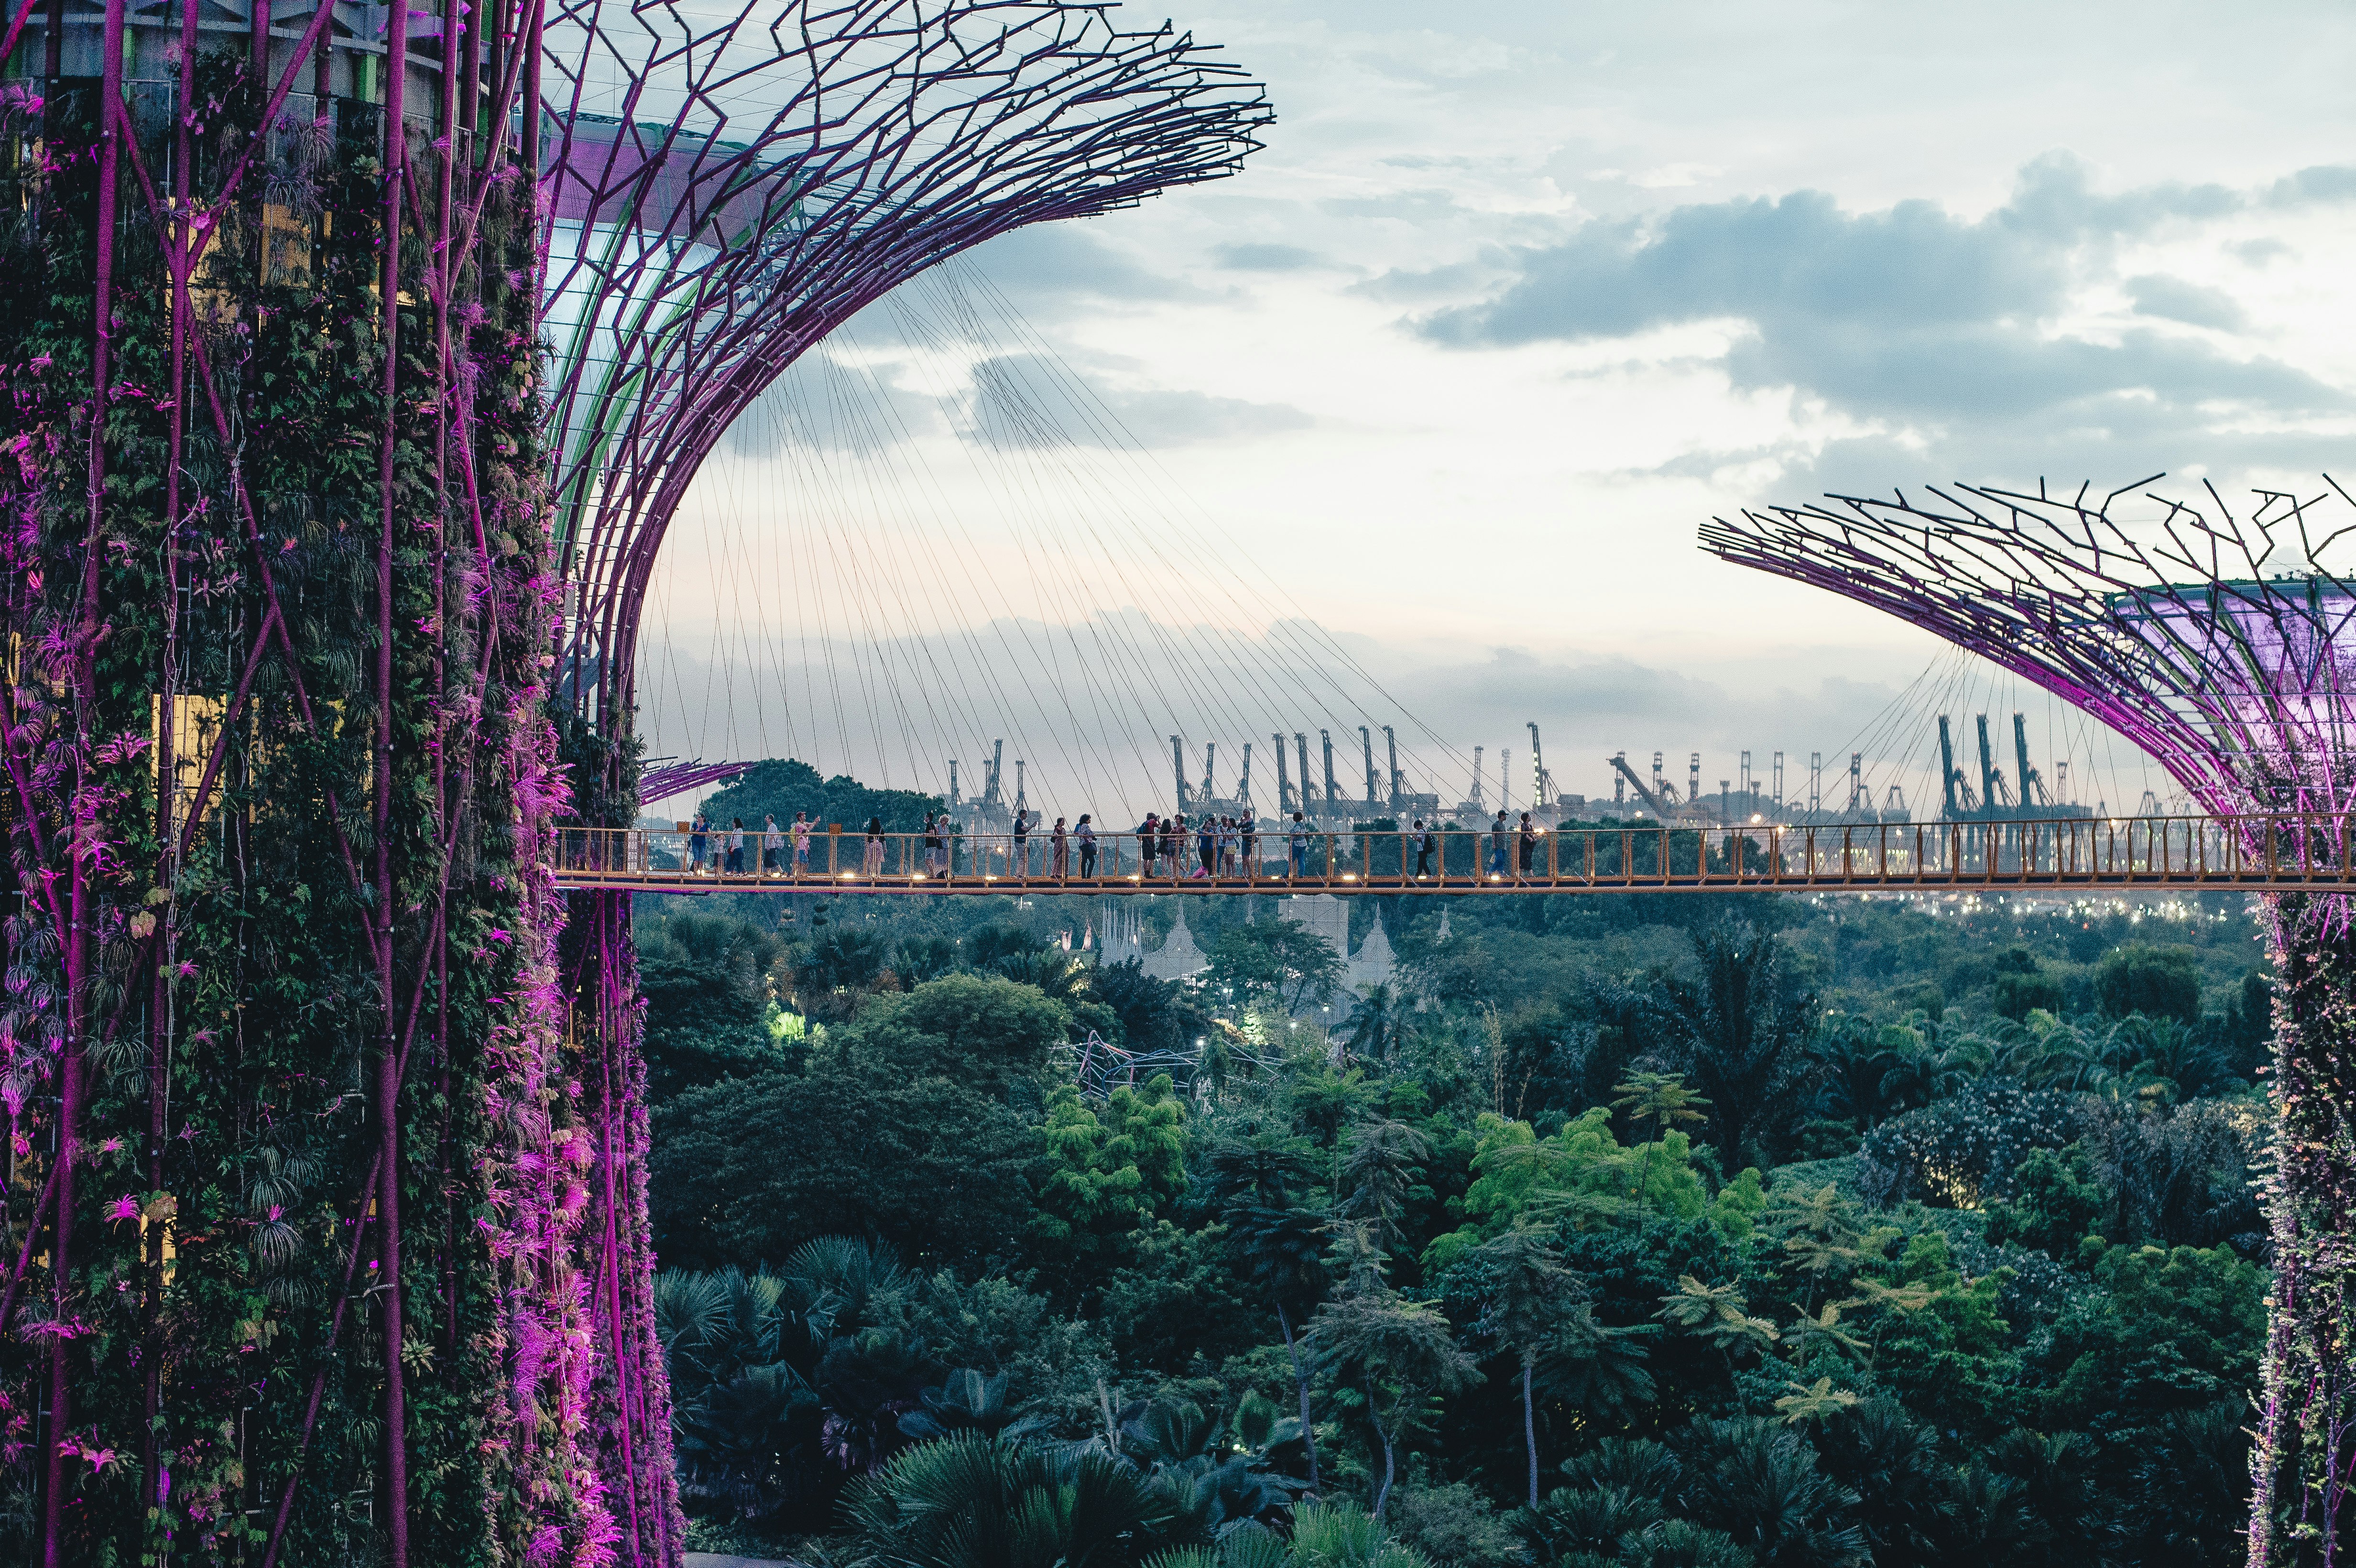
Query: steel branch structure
{"points": [[324, 1224], [727, 189], [2225, 648]]}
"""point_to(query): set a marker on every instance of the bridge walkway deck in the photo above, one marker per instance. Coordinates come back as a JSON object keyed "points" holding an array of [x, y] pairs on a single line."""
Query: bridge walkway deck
{"points": [[2189, 853]]}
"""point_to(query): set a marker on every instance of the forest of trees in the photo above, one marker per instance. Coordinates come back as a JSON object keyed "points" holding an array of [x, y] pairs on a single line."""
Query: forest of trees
{"points": [[1727, 1231]]}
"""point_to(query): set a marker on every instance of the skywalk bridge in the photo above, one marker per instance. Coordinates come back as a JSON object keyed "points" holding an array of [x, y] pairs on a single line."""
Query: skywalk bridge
{"points": [[2143, 853]]}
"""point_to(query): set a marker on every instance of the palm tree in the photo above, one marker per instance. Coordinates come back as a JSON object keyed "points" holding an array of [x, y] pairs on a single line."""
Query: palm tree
{"points": [[1325, 1535], [1279, 1245], [1823, 1327], [1378, 1174], [1662, 1099], [971, 1501], [1398, 1350], [1719, 1314], [1531, 1297], [1598, 1367], [1741, 1030], [1816, 1401], [1378, 1024], [1820, 1235]]}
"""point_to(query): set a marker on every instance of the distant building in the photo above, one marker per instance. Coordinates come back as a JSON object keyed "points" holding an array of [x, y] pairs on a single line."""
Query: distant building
{"points": [[1178, 957], [1329, 917], [1372, 965]]}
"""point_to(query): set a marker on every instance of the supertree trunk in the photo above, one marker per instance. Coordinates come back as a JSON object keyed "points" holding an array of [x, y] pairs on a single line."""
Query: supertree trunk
{"points": [[2307, 1409], [2225, 648], [282, 1050]]}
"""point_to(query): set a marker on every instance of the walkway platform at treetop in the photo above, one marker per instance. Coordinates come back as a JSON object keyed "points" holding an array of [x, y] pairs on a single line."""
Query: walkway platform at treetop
{"points": [[2148, 853]]}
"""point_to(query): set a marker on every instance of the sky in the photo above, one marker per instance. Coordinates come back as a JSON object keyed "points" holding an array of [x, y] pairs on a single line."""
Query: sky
{"points": [[1414, 420]]}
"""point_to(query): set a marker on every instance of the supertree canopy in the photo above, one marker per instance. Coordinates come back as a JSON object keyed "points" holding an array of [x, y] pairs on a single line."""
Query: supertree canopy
{"points": [[725, 195], [2223, 647], [724, 191], [323, 1236]]}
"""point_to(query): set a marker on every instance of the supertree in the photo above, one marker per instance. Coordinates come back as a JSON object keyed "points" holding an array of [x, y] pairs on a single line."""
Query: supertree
{"points": [[319, 1242], [2224, 648], [724, 195]]}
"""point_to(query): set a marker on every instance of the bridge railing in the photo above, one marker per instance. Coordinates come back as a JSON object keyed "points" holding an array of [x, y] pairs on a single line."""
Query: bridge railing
{"points": [[2174, 851]]}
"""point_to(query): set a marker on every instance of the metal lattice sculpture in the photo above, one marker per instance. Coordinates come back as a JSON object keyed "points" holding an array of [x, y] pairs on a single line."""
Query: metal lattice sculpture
{"points": [[727, 193], [2225, 650], [298, 1276], [325, 1236]]}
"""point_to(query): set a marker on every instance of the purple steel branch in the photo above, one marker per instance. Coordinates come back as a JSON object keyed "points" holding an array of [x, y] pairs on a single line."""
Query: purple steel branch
{"points": [[712, 254]]}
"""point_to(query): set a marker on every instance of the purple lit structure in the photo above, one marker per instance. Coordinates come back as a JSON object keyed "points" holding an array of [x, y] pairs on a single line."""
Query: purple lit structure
{"points": [[2225, 649], [725, 195], [330, 1238]]}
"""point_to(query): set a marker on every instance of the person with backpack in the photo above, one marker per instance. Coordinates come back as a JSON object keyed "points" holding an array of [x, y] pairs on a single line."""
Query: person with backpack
{"points": [[1426, 841], [1148, 842], [1530, 845]]}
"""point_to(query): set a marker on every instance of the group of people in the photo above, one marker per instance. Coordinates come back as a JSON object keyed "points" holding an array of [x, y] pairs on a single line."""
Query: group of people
{"points": [[726, 856], [1217, 844], [1213, 846]]}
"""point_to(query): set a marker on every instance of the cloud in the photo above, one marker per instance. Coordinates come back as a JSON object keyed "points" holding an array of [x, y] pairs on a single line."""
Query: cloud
{"points": [[1941, 333], [2173, 299], [1030, 401], [821, 404], [1265, 258], [1055, 271]]}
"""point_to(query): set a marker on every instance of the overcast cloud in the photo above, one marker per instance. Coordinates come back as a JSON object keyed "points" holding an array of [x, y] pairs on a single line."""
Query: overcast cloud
{"points": [[1519, 295]]}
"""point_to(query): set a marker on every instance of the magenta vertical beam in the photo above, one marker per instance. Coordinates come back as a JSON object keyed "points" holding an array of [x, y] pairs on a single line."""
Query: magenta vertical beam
{"points": [[113, 126], [388, 1084]]}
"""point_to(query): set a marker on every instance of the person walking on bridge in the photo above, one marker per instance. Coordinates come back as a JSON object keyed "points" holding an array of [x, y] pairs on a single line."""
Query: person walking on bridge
{"points": [[933, 846], [801, 844], [1300, 846], [1498, 833], [736, 845], [1173, 844], [1206, 845], [1061, 862], [1021, 867], [1424, 846], [698, 838], [1087, 834], [873, 858], [1529, 845], [773, 845], [1247, 842], [1148, 844]]}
